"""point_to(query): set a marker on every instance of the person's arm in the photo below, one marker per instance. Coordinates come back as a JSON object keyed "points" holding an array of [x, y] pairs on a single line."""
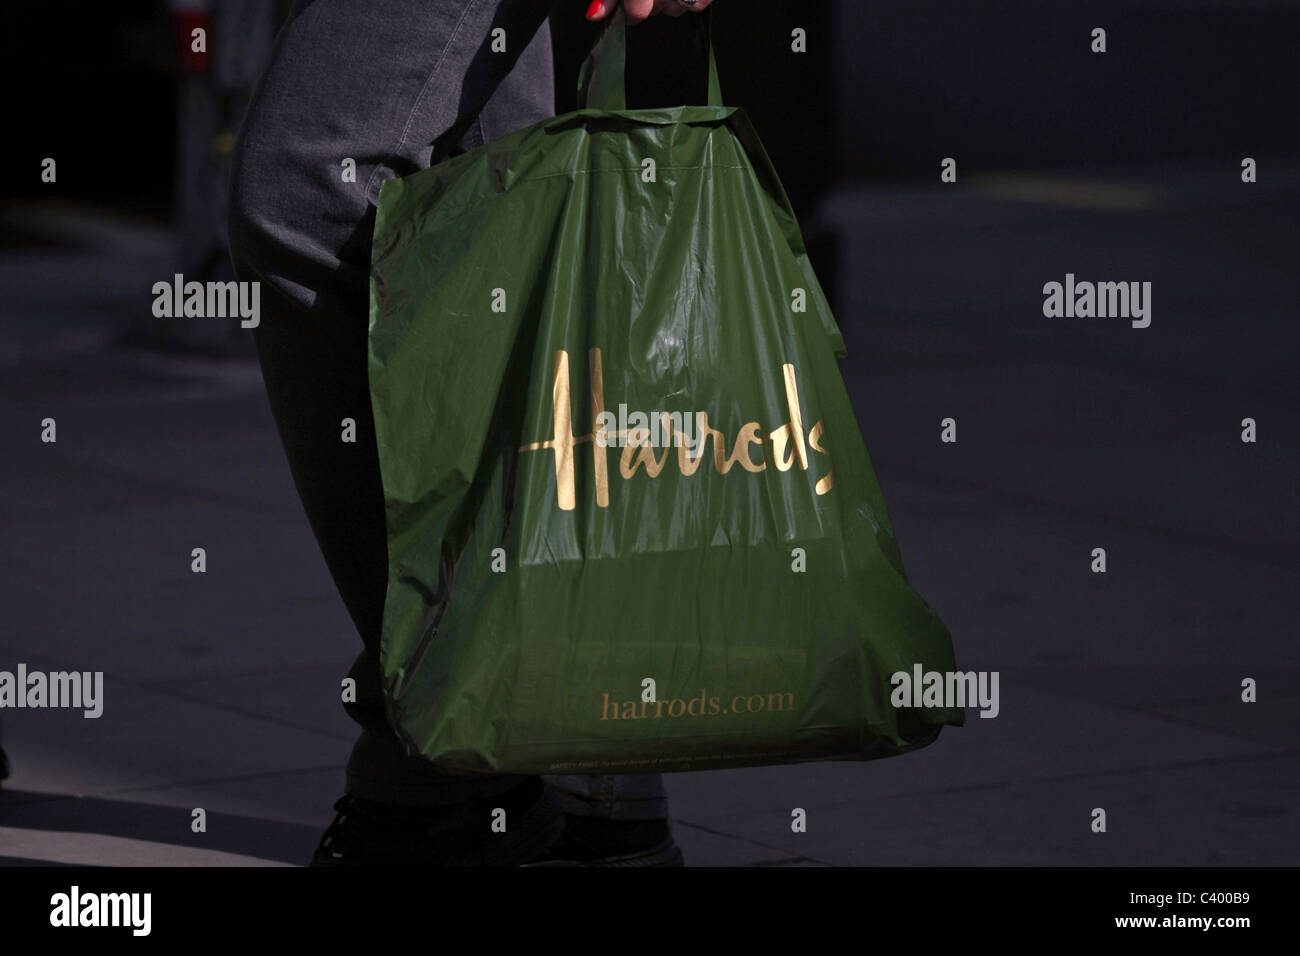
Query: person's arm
{"points": [[638, 10]]}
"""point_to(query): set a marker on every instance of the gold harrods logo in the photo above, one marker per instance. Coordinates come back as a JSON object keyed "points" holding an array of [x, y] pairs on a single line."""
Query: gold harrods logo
{"points": [[787, 443]]}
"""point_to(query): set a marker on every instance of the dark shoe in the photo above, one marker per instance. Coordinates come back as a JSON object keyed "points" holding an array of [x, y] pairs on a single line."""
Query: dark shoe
{"points": [[365, 833], [596, 841]]}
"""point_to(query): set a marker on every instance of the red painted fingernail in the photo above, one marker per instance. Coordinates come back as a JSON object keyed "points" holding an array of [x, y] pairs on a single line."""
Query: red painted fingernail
{"points": [[595, 10]]}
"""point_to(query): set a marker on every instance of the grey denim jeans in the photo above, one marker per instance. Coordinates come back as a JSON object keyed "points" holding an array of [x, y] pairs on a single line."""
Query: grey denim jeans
{"points": [[389, 87]]}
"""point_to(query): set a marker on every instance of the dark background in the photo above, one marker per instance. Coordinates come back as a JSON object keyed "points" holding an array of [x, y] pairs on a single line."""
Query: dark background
{"points": [[883, 90], [1119, 690]]}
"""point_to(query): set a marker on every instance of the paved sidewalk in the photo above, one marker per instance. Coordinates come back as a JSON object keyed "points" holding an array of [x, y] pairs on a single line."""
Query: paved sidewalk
{"points": [[1118, 691]]}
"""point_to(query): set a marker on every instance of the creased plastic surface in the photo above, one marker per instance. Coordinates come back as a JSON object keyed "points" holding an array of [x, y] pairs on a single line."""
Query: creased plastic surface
{"points": [[538, 579]]}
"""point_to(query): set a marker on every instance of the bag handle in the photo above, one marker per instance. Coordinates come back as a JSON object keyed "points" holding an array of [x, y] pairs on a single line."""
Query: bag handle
{"points": [[601, 83]]}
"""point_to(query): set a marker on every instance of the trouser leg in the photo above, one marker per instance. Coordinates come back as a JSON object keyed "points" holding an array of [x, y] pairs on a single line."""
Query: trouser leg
{"points": [[392, 86], [385, 87], [625, 796]]}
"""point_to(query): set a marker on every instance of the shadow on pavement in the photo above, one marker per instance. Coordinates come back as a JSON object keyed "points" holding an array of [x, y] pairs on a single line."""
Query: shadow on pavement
{"points": [[118, 832]]}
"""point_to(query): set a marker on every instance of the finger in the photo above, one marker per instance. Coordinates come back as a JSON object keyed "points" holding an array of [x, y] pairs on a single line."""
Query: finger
{"points": [[601, 9], [675, 9], [638, 10]]}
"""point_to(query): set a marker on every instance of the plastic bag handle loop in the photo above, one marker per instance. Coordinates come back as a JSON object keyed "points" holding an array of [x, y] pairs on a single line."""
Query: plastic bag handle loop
{"points": [[601, 83]]}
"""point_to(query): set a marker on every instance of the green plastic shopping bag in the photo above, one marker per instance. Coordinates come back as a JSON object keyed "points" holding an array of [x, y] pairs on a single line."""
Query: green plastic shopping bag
{"points": [[632, 524]]}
